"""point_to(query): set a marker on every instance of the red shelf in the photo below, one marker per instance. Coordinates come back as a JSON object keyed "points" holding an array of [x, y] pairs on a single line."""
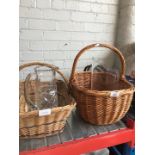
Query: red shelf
{"points": [[91, 143]]}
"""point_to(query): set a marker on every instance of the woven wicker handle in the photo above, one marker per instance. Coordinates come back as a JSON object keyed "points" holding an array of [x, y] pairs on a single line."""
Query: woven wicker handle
{"points": [[56, 69], [115, 50]]}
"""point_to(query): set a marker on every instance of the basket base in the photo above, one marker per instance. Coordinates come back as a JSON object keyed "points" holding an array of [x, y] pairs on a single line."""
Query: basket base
{"points": [[96, 122], [41, 135]]}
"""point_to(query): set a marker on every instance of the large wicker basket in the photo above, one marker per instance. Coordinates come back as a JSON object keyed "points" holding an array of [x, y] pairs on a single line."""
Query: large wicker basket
{"points": [[109, 100], [34, 126]]}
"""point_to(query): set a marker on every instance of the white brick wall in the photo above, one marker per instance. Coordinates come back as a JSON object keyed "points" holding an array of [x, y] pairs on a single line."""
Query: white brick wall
{"points": [[28, 3], [43, 3], [55, 30], [42, 24]]}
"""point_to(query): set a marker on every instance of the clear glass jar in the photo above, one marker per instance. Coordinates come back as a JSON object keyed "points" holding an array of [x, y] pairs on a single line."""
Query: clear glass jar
{"points": [[44, 92]]}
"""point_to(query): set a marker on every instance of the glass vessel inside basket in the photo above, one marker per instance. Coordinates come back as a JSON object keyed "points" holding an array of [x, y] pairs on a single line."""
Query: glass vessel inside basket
{"points": [[43, 89]]}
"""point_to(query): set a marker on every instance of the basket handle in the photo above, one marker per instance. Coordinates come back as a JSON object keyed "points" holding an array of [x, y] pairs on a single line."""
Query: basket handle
{"points": [[56, 69], [115, 50]]}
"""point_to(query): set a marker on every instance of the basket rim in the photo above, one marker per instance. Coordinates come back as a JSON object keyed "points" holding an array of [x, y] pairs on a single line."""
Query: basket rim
{"points": [[54, 110], [104, 92]]}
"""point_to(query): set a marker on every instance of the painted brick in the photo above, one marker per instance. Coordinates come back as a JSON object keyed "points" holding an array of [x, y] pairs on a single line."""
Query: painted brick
{"points": [[53, 31], [70, 45], [68, 63], [103, 1], [23, 23], [23, 12], [94, 27], [58, 4], [44, 45], [27, 3], [58, 63], [83, 17], [81, 63], [110, 28], [30, 12], [78, 6], [44, 3], [112, 9], [99, 8], [57, 15], [56, 55], [86, 55], [42, 24], [88, 0], [55, 45], [82, 36], [69, 26], [108, 1], [85, 6], [72, 5], [108, 19], [31, 56], [100, 27], [31, 34], [56, 35], [23, 45], [93, 1], [104, 37], [98, 53]]}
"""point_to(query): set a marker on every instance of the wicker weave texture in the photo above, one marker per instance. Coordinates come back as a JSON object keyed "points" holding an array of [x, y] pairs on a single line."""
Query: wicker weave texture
{"points": [[33, 125], [93, 92]]}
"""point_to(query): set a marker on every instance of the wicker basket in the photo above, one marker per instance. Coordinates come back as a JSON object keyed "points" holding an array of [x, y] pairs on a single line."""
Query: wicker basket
{"points": [[34, 126], [108, 101]]}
